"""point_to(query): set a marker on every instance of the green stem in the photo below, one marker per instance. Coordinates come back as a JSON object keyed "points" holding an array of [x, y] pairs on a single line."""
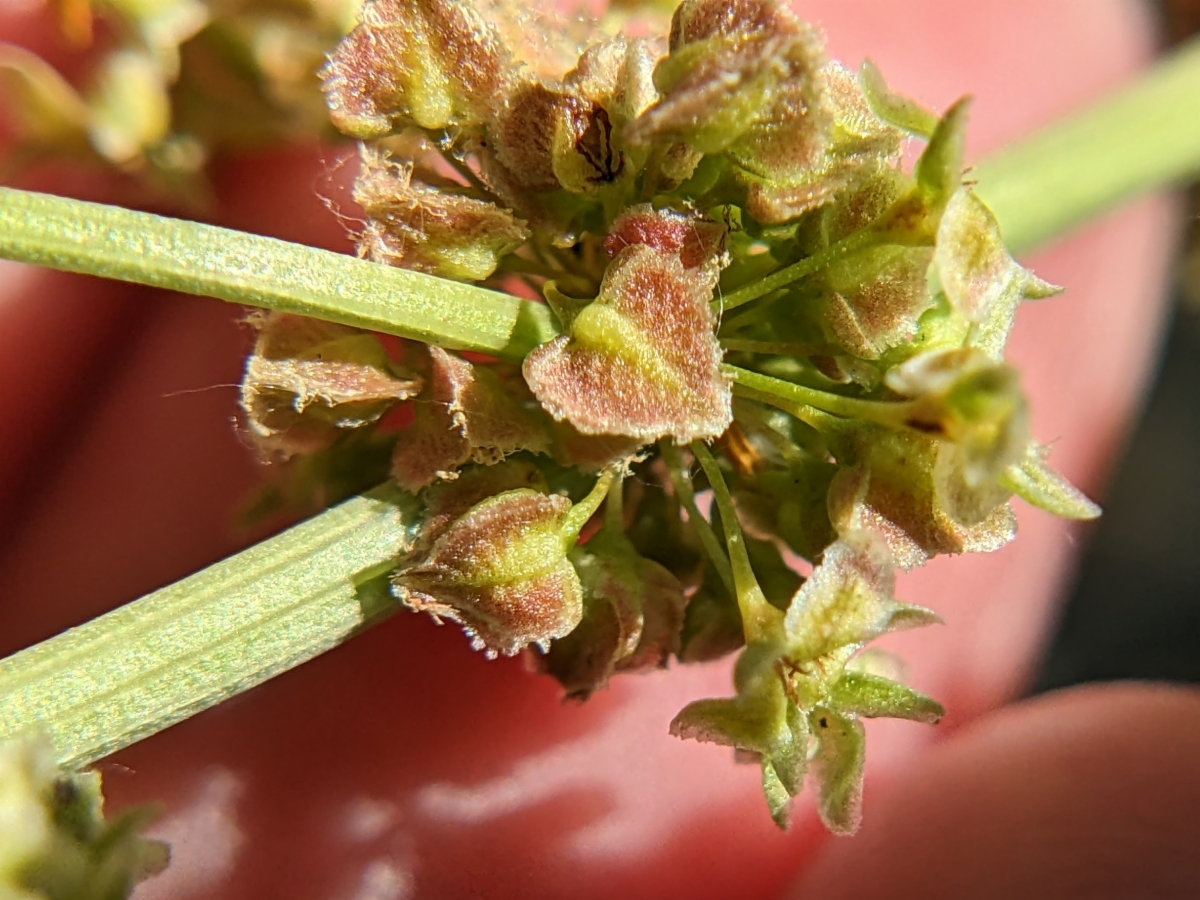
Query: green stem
{"points": [[1142, 138], [582, 511], [789, 397], [759, 618], [796, 271], [243, 268], [173, 653], [681, 479], [614, 505]]}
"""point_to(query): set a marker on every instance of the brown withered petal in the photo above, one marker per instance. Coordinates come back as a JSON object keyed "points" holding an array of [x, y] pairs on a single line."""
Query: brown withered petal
{"points": [[419, 227], [591, 453], [430, 63], [307, 381], [467, 416], [876, 297], [528, 202], [696, 239], [642, 360], [522, 132], [858, 156], [632, 618], [500, 570], [891, 490]]}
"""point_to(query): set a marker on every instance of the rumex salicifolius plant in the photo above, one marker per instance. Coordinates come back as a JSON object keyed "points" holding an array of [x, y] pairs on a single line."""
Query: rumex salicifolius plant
{"points": [[766, 348], [756, 300]]}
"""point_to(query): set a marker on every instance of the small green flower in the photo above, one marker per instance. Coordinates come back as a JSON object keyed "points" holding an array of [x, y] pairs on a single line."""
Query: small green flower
{"points": [[799, 689], [55, 843]]}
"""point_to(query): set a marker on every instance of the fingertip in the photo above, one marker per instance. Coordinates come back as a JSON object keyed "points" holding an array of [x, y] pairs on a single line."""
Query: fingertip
{"points": [[1088, 792]]}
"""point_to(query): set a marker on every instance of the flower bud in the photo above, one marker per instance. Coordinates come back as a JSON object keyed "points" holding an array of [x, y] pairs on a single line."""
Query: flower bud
{"points": [[609, 87], [890, 483], [549, 134], [874, 299], [982, 282], [741, 78], [858, 156], [501, 571]]}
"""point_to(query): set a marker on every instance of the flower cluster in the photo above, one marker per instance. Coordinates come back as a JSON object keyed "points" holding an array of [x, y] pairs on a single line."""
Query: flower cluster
{"points": [[744, 277]]}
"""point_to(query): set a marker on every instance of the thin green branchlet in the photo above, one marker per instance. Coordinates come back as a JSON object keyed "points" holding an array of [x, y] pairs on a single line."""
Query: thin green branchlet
{"points": [[738, 274]]}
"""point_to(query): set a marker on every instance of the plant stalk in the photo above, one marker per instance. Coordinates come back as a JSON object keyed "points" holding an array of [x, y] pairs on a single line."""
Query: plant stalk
{"points": [[173, 653], [76, 236], [1142, 138]]}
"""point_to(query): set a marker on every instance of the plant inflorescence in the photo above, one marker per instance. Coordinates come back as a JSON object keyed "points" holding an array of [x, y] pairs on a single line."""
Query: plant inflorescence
{"points": [[764, 369], [746, 279]]}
